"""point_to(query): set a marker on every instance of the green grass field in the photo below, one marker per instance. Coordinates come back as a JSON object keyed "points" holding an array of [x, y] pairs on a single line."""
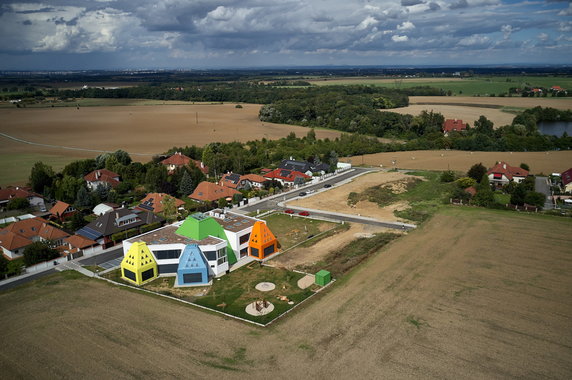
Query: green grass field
{"points": [[482, 86], [291, 230], [12, 166]]}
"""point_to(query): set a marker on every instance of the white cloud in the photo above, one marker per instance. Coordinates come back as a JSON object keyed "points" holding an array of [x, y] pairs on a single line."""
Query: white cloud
{"points": [[507, 30], [566, 12], [543, 37], [406, 25], [474, 40], [366, 23], [398, 38]]}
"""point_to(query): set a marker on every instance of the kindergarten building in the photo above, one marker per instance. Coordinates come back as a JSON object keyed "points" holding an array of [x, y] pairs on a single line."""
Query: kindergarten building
{"points": [[197, 249]]}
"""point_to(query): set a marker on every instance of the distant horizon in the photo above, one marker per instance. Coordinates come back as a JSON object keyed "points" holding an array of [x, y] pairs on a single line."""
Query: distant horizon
{"points": [[332, 67]]}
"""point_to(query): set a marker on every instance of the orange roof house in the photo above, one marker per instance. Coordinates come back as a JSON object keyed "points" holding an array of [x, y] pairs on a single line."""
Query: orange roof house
{"points": [[154, 202], [262, 243], [502, 173], [15, 237], [209, 192], [178, 160], [62, 210], [101, 177], [451, 125]]}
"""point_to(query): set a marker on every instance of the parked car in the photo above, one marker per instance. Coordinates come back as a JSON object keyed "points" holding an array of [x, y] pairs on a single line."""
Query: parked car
{"points": [[327, 185], [302, 194], [289, 211], [304, 213]]}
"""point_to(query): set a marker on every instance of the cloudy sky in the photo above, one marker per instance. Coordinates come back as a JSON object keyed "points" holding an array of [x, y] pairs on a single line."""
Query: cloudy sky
{"points": [[123, 34]]}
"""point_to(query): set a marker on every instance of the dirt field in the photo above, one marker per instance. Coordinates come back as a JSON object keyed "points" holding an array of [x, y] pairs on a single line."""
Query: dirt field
{"points": [[467, 114], [455, 107], [140, 130], [512, 102], [539, 162], [471, 294], [335, 199]]}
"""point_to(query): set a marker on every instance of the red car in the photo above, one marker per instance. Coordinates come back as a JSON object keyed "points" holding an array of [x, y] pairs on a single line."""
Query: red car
{"points": [[289, 211], [304, 213]]}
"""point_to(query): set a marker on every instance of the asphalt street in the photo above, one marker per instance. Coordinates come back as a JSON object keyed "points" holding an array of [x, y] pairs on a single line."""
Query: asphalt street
{"points": [[275, 203], [541, 186]]}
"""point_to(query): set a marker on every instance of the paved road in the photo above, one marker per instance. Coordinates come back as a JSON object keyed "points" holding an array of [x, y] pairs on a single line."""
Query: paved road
{"points": [[273, 203], [26, 279], [276, 202], [541, 186], [103, 258]]}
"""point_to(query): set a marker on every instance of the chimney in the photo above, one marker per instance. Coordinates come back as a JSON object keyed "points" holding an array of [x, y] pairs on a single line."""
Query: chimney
{"points": [[97, 174], [504, 166], [116, 215]]}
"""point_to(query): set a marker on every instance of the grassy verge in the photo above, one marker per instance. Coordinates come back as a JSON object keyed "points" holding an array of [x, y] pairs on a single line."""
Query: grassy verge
{"points": [[352, 254], [291, 230]]}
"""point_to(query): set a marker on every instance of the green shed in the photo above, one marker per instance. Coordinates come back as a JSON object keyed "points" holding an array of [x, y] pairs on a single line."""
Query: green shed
{"points": [[323, 278]]}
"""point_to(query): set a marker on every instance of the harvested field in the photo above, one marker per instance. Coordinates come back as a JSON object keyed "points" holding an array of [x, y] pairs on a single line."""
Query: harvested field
{"points": [[472, 294], [336, 199], [470, 108], [539, 162], [469, 114], [142, 131]]}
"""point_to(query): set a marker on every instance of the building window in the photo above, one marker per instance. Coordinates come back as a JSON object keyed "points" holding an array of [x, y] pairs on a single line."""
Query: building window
{"points": [[221, 260], [269, 250], [130, 275], [149, 273], [167, 254], [254, 251], [244, 238], [189, 278], [210, 255], [243, 252]]}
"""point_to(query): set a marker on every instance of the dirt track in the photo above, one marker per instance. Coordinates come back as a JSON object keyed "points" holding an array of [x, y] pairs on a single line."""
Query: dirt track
{"points": [[539, 162], [472, 294]]}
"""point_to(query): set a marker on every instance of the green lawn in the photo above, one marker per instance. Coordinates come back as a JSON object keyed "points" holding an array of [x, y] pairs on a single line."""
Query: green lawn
{"points": [[15, 167], [291, 230], [482, 85], [234, 291]]}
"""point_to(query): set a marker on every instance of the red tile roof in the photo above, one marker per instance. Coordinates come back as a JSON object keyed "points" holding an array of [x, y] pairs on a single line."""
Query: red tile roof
{"points": [[103, 175], [566, 177], [454, 125], [508, 171], [27, 227], [285, 175], [12, 241], [154, 202], [208, 191], [59, 208], [179, 160], [78, 241], [254, 178], [16, 192]]}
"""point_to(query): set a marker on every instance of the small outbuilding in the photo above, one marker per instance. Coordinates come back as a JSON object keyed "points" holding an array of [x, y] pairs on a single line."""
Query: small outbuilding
{"points": [[193, 268], [323, 277]]}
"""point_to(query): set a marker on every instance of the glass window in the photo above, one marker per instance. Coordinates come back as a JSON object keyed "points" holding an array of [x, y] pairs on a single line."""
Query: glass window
{"points": [[244, 238], [210, 255], [128, 274], [167, 254]]}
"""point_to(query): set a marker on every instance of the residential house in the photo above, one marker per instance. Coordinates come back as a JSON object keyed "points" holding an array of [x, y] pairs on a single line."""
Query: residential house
{"points": [[102, 177], [287, 177], [17, 236], [502, 173], [195, 250], [154, 202], [179, 160], [304, 167], [255, 180], [122, 219], [35, 200], [211, 192], [566, 178], [62, 210], [453, 125]]}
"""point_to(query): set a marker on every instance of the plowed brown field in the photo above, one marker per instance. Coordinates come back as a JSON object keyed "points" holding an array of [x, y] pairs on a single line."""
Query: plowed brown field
{"points": [[471, 294]]}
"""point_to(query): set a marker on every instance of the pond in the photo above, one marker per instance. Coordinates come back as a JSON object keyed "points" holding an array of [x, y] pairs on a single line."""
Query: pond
{"points": [[555, 128]]}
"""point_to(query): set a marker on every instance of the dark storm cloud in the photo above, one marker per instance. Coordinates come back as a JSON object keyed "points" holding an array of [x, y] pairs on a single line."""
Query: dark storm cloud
{"points": [[183, 32]]}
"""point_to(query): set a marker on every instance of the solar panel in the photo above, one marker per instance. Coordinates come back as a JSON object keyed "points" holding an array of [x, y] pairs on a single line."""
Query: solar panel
{"points": [[89, 233]]}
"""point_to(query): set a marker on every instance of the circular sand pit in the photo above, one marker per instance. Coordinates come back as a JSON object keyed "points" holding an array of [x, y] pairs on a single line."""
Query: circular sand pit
{"points": [[265, 286], [258, 308]]}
